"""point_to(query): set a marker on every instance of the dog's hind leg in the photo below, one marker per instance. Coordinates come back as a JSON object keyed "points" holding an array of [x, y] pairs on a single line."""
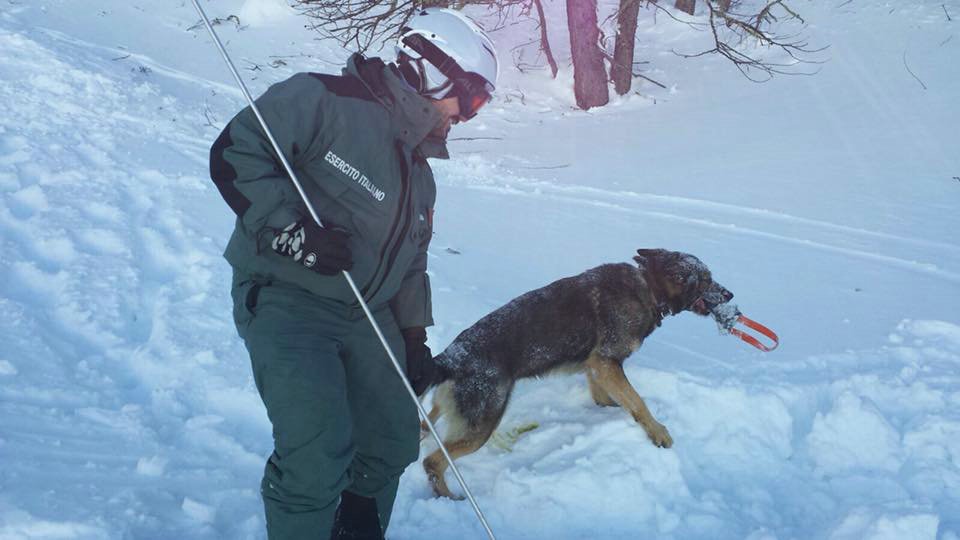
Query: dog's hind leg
{"points": [[442, 402], [609, 376], [436, 465], [466, 435], [599, 395], [435, 413]]}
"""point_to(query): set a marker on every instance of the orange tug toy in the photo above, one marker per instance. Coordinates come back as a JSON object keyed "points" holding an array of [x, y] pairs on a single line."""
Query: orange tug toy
{"points": [[728, 316]]}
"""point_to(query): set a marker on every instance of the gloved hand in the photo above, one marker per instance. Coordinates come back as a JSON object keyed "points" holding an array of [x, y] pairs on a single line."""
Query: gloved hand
{"points": [[322, 250], [421, 368]]}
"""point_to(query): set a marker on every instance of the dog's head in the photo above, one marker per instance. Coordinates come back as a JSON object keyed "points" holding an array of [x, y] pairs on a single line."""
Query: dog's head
{"points": [[682, 281]]}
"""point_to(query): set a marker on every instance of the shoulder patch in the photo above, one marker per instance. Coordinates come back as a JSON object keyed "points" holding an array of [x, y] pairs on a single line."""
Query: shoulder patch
{"points": [[223, 174], [345, 86]]}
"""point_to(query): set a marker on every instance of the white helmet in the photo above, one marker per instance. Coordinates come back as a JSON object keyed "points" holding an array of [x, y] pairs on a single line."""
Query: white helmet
{"points": [[442, 51]]}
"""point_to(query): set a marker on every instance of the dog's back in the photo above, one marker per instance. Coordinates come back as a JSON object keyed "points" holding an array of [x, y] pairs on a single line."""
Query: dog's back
{"points": [[554, 327]]}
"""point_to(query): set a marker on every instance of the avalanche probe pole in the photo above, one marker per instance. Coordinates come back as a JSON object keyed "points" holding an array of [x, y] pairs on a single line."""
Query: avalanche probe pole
{"points": [[353, 286]]}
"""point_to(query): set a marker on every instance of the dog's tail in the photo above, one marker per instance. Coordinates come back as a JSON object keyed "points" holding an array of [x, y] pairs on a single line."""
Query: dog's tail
{"points": [[442, 374]]}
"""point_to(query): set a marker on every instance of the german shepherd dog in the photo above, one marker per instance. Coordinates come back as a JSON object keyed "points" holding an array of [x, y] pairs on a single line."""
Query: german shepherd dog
{"points": [[590, 322]]}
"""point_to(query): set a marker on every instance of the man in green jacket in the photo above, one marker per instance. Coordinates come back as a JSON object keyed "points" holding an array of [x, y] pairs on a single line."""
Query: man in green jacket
{"points": [[344, 427]]}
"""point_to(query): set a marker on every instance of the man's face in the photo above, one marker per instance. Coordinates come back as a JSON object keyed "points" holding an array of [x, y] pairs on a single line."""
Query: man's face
{"points": [[449, 110]]}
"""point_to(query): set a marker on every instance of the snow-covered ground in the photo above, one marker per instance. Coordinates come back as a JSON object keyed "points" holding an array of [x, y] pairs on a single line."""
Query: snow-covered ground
{"points": [[829, 205]]}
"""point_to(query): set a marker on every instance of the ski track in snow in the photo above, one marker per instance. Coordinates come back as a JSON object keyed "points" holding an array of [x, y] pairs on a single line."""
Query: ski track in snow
{"points": [[127, 409], [681, 210], [592, 195]]}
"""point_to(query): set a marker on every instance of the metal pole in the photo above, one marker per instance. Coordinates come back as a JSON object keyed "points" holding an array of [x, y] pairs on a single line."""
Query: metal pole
{"points": [[346, 275]]}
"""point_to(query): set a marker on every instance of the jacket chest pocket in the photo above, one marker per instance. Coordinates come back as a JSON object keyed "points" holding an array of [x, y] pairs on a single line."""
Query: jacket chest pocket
{"points": [[425, 192], [422, 230]]}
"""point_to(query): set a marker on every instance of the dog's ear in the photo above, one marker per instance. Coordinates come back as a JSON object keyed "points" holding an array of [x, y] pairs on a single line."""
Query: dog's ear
{"points": [[655, 253], [648, 257]]}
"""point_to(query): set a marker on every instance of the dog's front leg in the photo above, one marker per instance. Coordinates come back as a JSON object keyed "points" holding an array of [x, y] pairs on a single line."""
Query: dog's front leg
{"points": [[609, 376]]}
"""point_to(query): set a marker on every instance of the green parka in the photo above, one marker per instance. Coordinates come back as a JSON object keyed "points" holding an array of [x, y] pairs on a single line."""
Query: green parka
{"points": [[358, 143]]}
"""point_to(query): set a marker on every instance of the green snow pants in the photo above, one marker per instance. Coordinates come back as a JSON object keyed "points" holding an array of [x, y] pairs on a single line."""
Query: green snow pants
{"points": [[342, 419]]}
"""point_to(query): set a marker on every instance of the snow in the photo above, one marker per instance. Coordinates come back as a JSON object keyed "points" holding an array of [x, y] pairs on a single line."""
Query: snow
{"points": [[827, 204], [866, 525], [265, 12], [853, 434], [197, 511], [151, 466], [7, 369]]}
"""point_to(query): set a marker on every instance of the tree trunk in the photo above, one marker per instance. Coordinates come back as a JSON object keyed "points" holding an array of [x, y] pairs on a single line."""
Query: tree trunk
{"points": [[589, 73], [686, 5], [622, 69], [544, 42]]}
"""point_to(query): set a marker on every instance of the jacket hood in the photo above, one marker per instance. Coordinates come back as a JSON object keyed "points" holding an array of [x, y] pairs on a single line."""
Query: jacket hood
{"points": [[412, 116]]}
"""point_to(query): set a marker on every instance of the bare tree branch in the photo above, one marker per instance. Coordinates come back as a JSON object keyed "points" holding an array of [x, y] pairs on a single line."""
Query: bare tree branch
{"points": [[358, 23], [910, 71], [544, 41], [734, 34]]}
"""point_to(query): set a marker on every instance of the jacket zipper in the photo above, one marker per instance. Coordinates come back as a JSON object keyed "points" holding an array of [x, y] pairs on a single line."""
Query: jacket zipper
{"points": [[401, 216]]}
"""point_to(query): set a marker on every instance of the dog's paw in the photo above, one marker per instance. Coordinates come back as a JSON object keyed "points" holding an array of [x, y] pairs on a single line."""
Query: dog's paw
{"points": [[440, 488], [659, 435]]}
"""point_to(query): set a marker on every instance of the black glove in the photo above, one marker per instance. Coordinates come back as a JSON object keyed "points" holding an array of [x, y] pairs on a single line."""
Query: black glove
{"points": [[324, 251], [421, 368]]}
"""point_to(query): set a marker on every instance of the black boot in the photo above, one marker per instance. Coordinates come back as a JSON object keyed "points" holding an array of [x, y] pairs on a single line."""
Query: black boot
{"points": [[356, 519]]}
